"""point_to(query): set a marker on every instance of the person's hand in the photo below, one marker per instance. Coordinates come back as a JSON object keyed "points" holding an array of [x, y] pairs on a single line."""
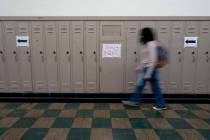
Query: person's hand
{"points": [[138, 69]]}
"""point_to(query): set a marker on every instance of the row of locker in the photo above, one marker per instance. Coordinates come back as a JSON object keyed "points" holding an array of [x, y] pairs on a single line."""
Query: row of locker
{"points": [[66, 56]]}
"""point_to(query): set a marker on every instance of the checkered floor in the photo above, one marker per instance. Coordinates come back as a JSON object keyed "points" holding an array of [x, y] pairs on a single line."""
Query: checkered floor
{"points": [[103, 121]]}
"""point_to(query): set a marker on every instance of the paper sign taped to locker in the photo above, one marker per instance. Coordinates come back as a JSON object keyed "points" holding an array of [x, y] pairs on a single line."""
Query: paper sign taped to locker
{"points": [[191, 42], [111, 50], [22, 41]]}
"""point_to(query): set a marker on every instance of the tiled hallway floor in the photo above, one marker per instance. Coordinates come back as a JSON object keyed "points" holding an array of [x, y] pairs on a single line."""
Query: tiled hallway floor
{"points": [[103, 121]]}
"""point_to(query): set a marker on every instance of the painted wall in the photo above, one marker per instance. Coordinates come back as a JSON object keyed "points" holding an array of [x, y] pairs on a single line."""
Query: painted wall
{"points": [[104, 8]]}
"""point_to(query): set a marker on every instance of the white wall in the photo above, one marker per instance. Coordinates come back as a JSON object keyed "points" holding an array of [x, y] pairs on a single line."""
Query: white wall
{"points": [[104, 7]]}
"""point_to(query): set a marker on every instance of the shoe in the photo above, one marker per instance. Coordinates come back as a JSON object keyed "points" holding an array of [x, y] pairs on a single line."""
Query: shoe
{"points": [[130, 103], [159, 108]]}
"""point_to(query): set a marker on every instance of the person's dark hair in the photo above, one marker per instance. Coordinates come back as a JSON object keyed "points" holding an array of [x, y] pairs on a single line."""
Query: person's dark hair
{"points": [[146, 35]]}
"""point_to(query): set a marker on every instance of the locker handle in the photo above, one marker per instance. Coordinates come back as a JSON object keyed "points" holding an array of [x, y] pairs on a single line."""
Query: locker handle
{"points": [[67, 52], [41, 52], [29, 57], [42, 57], [1, 52], [54, 52], [134, 52], [95, 56], [2, 57], [16, 57], [80, 52], [207, 53], [207, 57], [193, 53], [27, 52], [179, 53]]}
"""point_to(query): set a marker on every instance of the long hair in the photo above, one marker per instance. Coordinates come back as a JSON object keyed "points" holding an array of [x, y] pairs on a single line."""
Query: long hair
{"points": [[146, 35]]}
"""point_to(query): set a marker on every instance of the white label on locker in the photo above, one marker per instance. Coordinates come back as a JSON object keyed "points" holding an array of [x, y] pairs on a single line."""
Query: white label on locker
{"points": [[22, 41], [111, 50], [190, 42]]}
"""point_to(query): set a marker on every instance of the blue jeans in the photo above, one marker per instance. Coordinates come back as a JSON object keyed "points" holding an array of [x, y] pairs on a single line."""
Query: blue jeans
{"points": [[154, 81]]}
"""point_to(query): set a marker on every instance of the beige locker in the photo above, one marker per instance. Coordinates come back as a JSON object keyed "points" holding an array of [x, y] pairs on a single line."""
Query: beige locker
{"points": [[12, 56], [164, 36], [143, 24], [65, 56], [24, 58], [3, 70], [176, 57], [51, 56], [38, 58], [112, 68], [132, 53], [78, 56], [202, 71], [91, 57], [190, 59]]}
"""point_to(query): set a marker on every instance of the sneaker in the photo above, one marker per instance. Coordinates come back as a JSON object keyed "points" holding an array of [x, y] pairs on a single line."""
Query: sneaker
{"points": [[130, 103], [159, 108]]}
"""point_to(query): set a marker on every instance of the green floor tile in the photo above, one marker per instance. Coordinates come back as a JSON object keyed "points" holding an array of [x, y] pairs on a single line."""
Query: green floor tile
{"points": [[35, 134], [17, 113], [131, 107], [168, 134], [72, 106], [62, 123], [179, 123], [79, 134], [153, 114], [207, 120], [12, 106], [85, 113], [118, 114], [205, 133], [186, 114], [101, 123], [192, 107], [2, 130], [102, 106], [140, 123], [42, 106], [24, 123], [123, 134], [51, 113]]}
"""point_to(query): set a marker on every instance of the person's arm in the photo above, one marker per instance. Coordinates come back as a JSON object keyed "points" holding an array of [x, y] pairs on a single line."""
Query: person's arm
{"points": [[153, 60]]}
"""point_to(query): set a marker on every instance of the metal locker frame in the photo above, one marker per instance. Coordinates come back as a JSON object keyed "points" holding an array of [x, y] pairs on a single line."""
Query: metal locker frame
{"points": [[52, 53], [12, 57], [3, 68], [77, 35], [176, 57], [91, 56], [65, 55], [163, 28], [132, 55], [23, 29], [203, 69], [38, 57], [190, 59], [116, 37]]}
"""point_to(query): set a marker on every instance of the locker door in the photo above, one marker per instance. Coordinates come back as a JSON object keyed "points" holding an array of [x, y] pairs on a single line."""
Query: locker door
{"points": [[164, 36], [144, 24], [112, 68], [78, 56], [176, 49], [12, 57], [52, 58], [65, 56], [91, 56], [38, 58], [25, 58], [190, 59], [3, 71], [132, 55], [202, 71]]}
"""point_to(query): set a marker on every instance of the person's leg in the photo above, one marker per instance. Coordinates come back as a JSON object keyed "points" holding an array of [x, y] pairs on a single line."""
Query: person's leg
{"points": [[159, 99], [134, 99]]}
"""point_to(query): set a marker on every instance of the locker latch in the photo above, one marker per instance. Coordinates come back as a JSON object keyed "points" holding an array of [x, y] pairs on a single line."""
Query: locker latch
{"points": [[2, 56], [207, 56]]}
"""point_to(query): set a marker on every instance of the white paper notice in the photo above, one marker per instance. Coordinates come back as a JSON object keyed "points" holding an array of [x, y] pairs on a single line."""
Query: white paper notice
{"points": [[190, 42], [111, 50], [22, 41]]}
